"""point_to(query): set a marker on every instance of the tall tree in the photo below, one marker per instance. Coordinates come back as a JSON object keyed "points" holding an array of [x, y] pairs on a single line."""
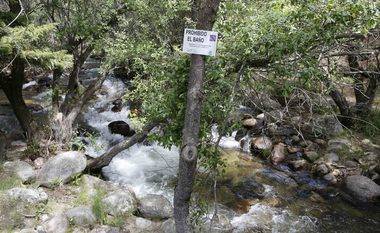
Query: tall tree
{"points": [[205, 17]]}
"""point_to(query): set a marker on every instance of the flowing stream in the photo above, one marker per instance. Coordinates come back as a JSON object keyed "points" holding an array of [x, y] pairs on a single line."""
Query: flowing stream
{"points": [[153, 168]]}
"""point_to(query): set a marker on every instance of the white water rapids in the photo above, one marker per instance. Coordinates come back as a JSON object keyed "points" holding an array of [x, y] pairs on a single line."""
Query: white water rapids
{"points": [[152, 168]]}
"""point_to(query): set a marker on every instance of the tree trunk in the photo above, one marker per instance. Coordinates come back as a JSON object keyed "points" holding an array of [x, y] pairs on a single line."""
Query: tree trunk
{"points": [[190, 134], [12, 87], [73, 85]]}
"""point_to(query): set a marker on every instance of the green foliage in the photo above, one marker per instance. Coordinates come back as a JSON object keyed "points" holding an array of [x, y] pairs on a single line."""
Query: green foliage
{"points": [[9, 182], [31, 43]]}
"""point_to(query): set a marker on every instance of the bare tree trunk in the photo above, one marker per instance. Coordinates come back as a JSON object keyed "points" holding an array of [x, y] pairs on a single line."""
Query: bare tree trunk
{"points": [[190, 134], [73, 85], [12, 87], [63, 125], [105, 159]]}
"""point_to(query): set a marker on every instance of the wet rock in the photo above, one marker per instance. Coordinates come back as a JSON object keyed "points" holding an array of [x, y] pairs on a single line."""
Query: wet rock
{"points": [[140, 225], [155, 207], [248, 188], [81, 216], [57, 224], [331, 158], [277, 176], [117, 105], [105, 229], [21, 169], [121, 127], [278, 153], [28, 195], [262, 145], [311, 156], [61, 168], [120, 202], [362, 188]]}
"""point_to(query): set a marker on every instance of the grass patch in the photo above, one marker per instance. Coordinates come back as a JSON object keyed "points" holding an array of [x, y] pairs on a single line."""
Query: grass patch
{"points": [[8, 182]]}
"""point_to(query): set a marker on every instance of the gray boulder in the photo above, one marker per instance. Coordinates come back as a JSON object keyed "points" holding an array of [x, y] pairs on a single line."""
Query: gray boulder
{"points": [[21, 169], [105, 229], [57, 224], [362, 188], [81, 216], [155, 207], [91, 185], [141, 225], [27, 195], [61, 168], [120, 202]]}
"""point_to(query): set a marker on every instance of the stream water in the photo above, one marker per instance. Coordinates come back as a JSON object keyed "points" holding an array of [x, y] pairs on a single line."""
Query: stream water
{"points": [[153, 168]]}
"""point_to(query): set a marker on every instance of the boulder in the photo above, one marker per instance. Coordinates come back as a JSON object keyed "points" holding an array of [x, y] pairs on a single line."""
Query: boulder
{"points": [[278, 153], [117, 105], [57, 224], [61, 168], [261, 145], [81, 216], [155, 207], [322, 169], [105, 229], [140, 225], [120, 202], [21, 169], [362, 188], [168, 226], [28, 195], [326, 125], [249, 122], [121, 127], [277, 176], [91, 185]]}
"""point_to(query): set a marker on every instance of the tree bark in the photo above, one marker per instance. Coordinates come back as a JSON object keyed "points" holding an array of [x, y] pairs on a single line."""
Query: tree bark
{"points": [[12, 87], [105, 159], [190, 134], [73, 85]]}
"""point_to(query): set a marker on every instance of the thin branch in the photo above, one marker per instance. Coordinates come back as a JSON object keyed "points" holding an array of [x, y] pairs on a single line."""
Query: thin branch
{"points": [[19, 14]]}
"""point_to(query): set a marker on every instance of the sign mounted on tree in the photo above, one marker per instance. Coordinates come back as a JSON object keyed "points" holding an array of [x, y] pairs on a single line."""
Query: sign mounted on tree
{"points": [[200, 42]]}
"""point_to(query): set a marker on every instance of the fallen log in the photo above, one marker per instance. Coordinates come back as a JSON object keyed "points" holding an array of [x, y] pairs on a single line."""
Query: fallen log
{"points": [[96, 164]]}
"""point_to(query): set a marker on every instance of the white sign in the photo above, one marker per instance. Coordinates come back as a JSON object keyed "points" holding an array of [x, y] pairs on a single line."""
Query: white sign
{"points": [[200, 42]]}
